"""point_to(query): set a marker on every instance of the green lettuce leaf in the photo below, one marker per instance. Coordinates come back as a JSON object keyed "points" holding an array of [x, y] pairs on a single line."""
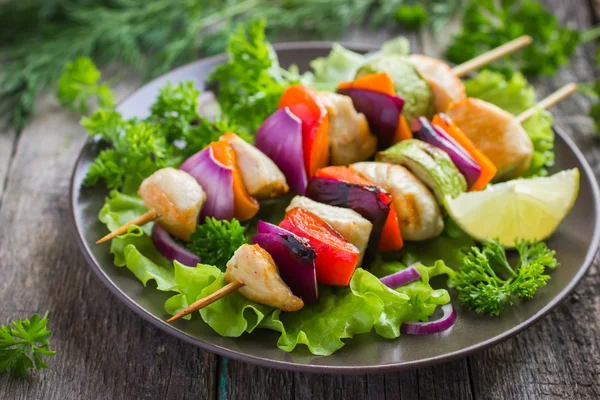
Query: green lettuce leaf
{"points": [[135, 249], [231, 316], [190, 281], [234, 314], [516, 95], [539, 129], [365, 305], [341, 64]]}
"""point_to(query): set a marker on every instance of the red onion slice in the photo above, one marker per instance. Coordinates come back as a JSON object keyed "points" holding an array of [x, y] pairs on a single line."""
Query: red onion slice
{"points": [[172, 250], [401, 278], [295, 259], [429, 327], [365, 200], [265, 227], [437, 137], [280, 138], [217, 181], [382, 111]]}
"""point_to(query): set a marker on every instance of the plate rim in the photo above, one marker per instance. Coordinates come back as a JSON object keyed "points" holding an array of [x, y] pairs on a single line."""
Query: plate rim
{"points": [[317, 368]]}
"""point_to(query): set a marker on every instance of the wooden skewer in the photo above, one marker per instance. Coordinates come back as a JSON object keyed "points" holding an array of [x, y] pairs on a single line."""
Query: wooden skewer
{"points": [[197, 305], [491, 56], [549, 101], [151, 215]]}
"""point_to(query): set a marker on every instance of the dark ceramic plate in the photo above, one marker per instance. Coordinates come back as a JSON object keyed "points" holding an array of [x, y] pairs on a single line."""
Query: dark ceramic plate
{"points": [[575, 243]]}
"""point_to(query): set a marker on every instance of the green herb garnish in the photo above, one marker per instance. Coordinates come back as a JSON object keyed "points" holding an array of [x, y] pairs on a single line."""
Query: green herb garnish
{"points": [[22, 345], [488, 24], [215, 241], [486, 282], [251, 82], [137, 150], [411, 17], [78, 86]]}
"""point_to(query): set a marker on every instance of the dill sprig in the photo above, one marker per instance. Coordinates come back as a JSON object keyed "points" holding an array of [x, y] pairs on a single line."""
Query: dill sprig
{"points": [[37, 38]]}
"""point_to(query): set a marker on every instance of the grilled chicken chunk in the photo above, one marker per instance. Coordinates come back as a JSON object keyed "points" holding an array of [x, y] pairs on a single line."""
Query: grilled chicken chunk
{"points": [[496, 133], [255, 268], [447, 88], [419, 215], [351, 225], [261, 176], [177, 198], [349, 135]]}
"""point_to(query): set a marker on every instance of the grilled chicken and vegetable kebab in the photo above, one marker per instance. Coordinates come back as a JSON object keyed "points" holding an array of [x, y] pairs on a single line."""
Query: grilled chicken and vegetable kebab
{"points": [[375, 165]]}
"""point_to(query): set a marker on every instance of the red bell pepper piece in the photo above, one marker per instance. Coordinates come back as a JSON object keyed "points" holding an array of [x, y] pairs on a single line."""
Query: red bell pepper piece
{"points": [[336, 257], [343, 174], [391, 238], [304, 102]]}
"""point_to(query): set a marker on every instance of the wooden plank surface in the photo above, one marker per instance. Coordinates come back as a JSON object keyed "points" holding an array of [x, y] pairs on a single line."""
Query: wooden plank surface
{"points": [[8, 140], [105, 351], [559, 357]]}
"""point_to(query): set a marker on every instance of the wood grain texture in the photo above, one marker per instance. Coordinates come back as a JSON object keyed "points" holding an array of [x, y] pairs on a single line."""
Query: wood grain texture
{"points": [[559, 357], [8, 138], [105, 351]]}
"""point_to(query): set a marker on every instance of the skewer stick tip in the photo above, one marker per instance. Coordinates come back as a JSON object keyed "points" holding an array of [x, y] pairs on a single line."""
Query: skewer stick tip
{"points": [[550, 101], [143, 219], [211, 298], [491, 56]]}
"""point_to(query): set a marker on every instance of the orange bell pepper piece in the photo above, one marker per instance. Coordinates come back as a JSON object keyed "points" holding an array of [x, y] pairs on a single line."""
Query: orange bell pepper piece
{"points": [[403, 131], [380, 82], [391, 238], [488, 169], [304, 102], [245, 206]]}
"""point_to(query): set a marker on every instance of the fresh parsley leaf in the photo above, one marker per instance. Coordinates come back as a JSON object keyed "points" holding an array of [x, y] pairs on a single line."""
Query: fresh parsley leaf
{"points": [[487, 283], [79, 85], [138, 149], [251, 82], [175, 109], [215, 241], [105, 124], [411, 17], [489, 23], [22, 345], [592, 90], [175, 113], [203, 132]]}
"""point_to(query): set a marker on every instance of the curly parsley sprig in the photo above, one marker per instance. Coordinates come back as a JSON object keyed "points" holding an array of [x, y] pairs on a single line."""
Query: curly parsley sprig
{"points": [[79, 85], [22, 345], [251, 82], [486, 282], [215, 241], [173, 131]]}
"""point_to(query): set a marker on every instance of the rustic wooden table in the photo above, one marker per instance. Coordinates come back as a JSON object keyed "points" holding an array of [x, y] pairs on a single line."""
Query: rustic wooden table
{"points": [[105, 351]]}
